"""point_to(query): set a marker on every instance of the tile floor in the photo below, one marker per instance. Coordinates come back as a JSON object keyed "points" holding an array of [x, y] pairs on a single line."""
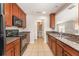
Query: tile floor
{"points": [[39, 48]]}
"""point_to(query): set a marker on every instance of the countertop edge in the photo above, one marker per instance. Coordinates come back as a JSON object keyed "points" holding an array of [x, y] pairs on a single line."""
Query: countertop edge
{"points": [[74, 45]]}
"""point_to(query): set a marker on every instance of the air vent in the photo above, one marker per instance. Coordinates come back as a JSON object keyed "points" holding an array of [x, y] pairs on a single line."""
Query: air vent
{"points": [[71, 7], [38, 12]]}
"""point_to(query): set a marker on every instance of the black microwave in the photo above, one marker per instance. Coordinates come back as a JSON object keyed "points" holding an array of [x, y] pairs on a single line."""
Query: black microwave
{"points": [[16, 21]]}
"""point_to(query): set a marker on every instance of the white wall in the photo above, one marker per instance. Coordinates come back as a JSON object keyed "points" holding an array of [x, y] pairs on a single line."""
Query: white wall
{"points": [[67, 15], [32, 26], [46, 24]]}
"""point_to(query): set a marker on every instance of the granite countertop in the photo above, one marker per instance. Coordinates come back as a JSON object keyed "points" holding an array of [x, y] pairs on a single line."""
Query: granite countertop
{"points": [[11, 39], [26, 31], [71, 43]]}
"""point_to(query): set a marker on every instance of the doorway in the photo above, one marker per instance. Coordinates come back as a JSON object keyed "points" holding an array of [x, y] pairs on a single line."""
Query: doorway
{"points": [[40, 29]]}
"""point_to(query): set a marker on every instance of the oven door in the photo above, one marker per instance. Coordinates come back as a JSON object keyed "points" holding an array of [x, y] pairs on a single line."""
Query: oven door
{"points": [[24, 43]]}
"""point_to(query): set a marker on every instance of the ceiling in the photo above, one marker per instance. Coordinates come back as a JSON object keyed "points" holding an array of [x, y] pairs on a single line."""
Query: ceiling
{"points": [[41, 8]]}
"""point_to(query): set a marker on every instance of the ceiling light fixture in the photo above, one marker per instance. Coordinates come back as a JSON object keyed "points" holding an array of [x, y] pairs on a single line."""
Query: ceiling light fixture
{"points": [[43, 12]]}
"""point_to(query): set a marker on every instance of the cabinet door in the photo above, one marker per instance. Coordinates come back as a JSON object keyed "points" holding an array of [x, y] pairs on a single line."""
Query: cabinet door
{"points": [[10, 52], [59, 50], [53, 47], [24, 20], [8, 14], [9, 49], [14, 9], [17, 47], [52, 21], [20, 14], [49, 41], [66, 54]]}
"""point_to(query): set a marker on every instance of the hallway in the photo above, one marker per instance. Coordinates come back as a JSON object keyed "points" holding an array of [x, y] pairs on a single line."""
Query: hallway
{"points": [[39, 48]]}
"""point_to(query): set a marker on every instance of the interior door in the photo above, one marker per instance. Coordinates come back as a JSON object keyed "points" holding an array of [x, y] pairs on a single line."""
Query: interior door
{"points": [[39, 29]]}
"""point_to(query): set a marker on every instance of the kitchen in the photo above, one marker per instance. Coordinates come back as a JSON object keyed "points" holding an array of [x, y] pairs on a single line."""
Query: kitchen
{"points": [[60, 30]]}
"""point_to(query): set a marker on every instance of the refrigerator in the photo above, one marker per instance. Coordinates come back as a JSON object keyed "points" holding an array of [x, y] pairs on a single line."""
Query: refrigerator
{"points": [[2, 31]]}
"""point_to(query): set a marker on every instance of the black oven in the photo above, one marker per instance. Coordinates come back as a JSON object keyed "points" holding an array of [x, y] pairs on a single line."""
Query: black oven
{"points": [[16, 21]]}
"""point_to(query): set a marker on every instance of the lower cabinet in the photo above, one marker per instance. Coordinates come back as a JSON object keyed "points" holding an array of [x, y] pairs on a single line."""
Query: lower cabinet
{"points": [[17, 47], [49, 42], [53, 45], [61, 49], [66, 54], [10, 52], [13, 48]]}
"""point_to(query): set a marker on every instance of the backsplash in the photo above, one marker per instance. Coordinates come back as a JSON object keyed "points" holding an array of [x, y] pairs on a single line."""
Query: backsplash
{"points": [[14, 27], [66, 35]]}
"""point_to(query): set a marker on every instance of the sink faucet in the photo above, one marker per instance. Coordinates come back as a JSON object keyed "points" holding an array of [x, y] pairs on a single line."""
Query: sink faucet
{"points": [[61, 35]]}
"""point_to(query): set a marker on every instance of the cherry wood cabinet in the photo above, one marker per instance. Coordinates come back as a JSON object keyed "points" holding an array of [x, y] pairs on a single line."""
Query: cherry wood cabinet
{"points": [[53, 45], [66, 54], [12, 9], [22, 16], [13, 48], [17, 47], [49, 41], [52, 21], [15, 9], [61, 49], [20, 13], [8, 14], [9, 50], [24, 20]]}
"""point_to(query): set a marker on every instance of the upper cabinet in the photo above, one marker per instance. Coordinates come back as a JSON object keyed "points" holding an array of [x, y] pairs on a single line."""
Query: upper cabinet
{"points": [[24, 20], [12, 9], [52, 21], [8, 14], [15, 10], [22, 16]]}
